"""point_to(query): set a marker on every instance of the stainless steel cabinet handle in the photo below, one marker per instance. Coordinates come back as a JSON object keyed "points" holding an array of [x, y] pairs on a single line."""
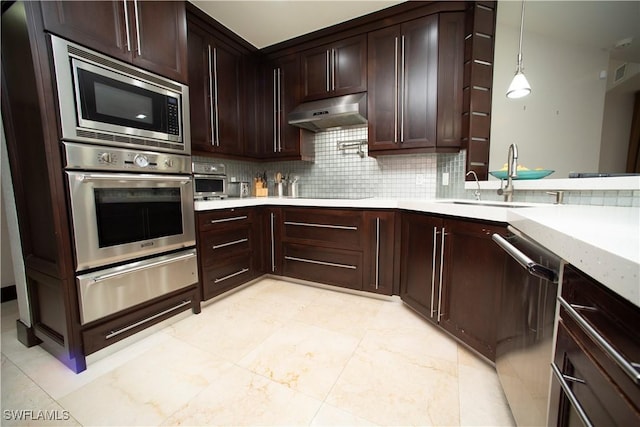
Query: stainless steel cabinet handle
{"points": [[433, 270], [275, 110], [141, 267], [273, 245], [629, 368], [402, 94], [235, 218], [333, 69], [215, 95], [280, 112], [135, 5], [377, 252], [229, 276], [397, 93], [313, 261], [126, 25], [224, 245], [211, 99], [572, 397], [328, 75], [308, 224], [117, 332], [441, 275], [527, 263]]}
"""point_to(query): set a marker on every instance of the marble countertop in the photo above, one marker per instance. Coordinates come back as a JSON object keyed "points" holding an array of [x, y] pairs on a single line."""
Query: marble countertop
{"points": [[602, 241]]}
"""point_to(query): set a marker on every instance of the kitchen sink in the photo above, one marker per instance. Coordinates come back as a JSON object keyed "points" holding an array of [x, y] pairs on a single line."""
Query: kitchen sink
{"points": [[492, 204]]}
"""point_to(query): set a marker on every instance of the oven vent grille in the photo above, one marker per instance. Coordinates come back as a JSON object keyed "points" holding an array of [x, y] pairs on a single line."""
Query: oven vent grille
{"points": [[126, 141], [75, 51]]}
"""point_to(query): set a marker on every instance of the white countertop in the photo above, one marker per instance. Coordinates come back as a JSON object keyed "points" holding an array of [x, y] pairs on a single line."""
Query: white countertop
{"points": [[602, 241]]}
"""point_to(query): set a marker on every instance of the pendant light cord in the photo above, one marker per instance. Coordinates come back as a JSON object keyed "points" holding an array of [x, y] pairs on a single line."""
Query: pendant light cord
{"points": [[520, 44]]}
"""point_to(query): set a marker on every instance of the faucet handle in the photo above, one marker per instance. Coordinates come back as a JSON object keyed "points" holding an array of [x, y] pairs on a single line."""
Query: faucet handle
{"points": [[559, 196]]}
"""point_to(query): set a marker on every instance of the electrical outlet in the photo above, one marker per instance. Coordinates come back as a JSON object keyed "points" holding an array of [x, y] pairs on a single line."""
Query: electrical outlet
{"points": [[421, 179], [445, 178]]}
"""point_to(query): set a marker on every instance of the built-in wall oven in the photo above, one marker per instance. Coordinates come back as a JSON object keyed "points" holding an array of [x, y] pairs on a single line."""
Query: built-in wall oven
{"points": [[133, 226]]}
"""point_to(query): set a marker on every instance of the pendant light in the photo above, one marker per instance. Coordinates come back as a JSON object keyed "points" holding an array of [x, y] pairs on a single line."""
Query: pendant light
{"points": [[519, 86]]}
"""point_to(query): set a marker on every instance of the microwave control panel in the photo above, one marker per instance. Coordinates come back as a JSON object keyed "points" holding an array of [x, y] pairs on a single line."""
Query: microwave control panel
{"points": [[92, 157]]}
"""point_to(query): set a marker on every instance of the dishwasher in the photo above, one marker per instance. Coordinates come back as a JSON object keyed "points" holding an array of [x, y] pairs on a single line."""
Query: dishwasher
{"points": [[525, 332]]}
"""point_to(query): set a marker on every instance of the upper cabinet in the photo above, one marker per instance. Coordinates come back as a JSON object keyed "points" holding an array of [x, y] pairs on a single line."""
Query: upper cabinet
{"points": [[415, 78], [151, 35], [214, 93], [335, 69], [281, 94]]}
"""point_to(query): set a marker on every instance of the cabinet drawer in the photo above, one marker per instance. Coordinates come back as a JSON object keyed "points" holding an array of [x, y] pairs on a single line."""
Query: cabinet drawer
{"points": [[219, 245], [327, 227], [228, 217], [325, 265], [222, 277], [138, 318]]}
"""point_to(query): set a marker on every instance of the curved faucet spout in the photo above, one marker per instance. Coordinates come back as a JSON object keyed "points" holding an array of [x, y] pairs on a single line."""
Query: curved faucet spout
{"points": [[512, 161]]}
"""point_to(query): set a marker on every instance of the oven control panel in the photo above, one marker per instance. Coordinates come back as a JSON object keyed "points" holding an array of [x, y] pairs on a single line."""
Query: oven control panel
{"points": [[94, 157]]}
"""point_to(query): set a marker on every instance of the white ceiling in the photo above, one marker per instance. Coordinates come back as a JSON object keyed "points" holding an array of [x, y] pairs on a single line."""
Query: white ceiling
{"points": [[594, 23]]}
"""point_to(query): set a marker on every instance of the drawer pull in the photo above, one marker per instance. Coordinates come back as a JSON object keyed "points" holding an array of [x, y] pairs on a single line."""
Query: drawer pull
{"points": [[629, 368], [572, 397], [224, 245], [235, 218], [237, 273], [312, 261], [112, 334], [307, 224]]}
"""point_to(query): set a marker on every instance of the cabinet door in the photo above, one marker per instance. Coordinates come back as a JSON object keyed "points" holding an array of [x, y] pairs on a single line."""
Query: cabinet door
{"points": [[199, 99], [281, 94], [99, 25], [383, 81], [336, 69], [419, 82], [226, 69], [162, 30], [474, 267], [272, 240], [420, 263], [379, 252]]}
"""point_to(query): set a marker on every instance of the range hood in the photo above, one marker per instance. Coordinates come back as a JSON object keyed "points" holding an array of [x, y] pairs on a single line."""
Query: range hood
{"points": [[338, 112]]}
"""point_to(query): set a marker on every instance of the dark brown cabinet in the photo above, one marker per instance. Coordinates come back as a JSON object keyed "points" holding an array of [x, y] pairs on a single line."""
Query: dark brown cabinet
{"points": [[272, 240], [228, 243], [595, 370], [451, 272], [336, 69], [415, 77], [214, 93], [149, 34], [281, 94]]}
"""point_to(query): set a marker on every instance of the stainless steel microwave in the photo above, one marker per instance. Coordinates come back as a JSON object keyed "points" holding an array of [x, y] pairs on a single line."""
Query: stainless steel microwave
{"points": [[109, 102]]}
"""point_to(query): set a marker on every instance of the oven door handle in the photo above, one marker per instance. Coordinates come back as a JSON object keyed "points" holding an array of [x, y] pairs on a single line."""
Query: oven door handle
{"points": [[527, 263], [143, 266], [89, 177]]}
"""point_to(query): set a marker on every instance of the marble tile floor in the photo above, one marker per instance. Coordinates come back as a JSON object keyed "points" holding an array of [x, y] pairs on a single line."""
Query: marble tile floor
{"points": [[273, 353]]}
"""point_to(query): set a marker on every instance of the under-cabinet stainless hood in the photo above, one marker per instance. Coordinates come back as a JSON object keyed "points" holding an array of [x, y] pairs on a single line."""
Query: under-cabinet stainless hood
{"points": [[338, 112]]}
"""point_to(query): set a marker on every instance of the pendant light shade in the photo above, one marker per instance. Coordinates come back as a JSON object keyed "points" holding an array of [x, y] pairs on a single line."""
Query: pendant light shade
{"points": [[519, 86]]}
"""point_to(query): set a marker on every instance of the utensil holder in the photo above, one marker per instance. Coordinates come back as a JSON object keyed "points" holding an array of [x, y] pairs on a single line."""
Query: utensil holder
{"points": [[278, 189]]}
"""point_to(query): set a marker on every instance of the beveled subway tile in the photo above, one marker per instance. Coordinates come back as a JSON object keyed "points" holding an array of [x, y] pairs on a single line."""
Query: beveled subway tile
{"points": [[241, 397], [148, 389], [302, 357]]}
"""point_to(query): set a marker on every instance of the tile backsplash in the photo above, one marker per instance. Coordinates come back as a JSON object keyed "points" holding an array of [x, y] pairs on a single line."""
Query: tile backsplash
{"points": [[345, 174]]}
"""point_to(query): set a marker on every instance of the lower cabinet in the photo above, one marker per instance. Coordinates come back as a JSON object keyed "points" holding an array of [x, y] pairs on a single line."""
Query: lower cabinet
{"points": [[229, 242], [595, 367], [451, 272]]}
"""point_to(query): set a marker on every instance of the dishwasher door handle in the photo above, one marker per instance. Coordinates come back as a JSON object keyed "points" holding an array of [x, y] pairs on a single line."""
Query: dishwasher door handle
{"points": [[527, 263]]}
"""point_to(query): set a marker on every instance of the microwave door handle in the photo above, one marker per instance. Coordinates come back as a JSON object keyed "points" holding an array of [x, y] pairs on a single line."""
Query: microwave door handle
{"points": [[91, 177], [527, 263]]}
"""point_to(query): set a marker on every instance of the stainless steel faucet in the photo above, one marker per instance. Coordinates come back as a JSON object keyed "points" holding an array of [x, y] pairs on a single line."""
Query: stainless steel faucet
{"points": [[512, 172], [477, 192]]}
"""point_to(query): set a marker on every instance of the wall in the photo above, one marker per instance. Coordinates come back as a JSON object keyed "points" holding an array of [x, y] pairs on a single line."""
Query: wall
{"points": [[559, 125], [338, 173]]}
